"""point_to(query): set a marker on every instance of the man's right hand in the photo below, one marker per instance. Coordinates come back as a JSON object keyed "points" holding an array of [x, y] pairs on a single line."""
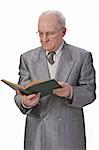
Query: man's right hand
{"points": [[30, 100]]}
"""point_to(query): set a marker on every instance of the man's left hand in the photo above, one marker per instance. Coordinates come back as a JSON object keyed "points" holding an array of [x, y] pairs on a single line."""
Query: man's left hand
{"points": [[65, 91]]}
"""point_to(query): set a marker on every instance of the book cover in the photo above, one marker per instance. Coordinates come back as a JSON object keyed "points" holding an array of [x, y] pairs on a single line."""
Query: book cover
{"points": [[45, 87]]}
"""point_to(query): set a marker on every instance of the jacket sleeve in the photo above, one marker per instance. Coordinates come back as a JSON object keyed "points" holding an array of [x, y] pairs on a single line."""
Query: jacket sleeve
{"points": [[23, 80], [84, 92]]}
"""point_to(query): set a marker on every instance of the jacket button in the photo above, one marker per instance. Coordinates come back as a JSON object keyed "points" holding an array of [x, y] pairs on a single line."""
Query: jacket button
{"points": [[45, 119], [60, 119]]}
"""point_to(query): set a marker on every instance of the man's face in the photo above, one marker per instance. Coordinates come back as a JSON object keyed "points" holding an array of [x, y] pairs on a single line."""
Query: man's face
{"points": [[50, 33]]}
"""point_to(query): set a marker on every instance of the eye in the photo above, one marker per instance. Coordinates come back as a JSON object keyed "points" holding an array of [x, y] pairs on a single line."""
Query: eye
{"points": [[40, 33], [50, 33], [46, 34]]}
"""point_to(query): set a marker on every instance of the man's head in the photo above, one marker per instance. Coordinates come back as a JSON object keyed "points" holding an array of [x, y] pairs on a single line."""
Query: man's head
{"points": [[51, 28]]}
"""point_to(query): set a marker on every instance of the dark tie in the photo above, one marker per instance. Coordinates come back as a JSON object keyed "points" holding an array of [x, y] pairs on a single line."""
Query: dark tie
{"points": [[50, 57]]}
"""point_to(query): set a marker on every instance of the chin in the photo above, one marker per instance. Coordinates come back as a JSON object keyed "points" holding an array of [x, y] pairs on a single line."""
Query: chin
{"points": [[47, 48]]}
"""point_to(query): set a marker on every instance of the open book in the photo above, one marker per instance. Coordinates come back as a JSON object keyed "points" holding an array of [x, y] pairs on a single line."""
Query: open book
{"points": [[45, 87]]}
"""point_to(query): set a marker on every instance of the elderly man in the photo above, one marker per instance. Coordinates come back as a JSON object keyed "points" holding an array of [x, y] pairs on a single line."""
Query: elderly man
{"points": [[56, 121]]}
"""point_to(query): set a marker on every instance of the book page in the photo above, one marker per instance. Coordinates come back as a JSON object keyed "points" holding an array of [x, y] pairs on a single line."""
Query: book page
{"points": [[13, 85], [34, 82]]}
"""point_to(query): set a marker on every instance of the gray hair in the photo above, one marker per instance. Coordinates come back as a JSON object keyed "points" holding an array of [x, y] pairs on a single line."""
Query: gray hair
{"points": [[61, 18]]}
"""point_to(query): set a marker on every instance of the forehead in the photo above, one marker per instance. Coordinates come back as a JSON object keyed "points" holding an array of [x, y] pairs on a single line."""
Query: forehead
{"points": [[49, 22]]}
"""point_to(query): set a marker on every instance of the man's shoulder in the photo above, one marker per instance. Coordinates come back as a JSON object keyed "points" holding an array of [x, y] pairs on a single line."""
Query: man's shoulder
{"points": [[32, 52], [76, 49], [77, 53]]}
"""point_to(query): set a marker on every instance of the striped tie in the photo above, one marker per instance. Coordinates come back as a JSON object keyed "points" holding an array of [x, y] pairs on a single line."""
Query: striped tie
{"points": [[50, 57]]}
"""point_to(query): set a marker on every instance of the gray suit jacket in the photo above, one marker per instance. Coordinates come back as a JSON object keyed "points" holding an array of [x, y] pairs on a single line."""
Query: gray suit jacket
{"points": [[55, 124]]}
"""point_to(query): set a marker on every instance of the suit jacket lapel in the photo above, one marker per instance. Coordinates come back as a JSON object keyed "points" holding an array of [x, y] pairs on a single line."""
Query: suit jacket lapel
{"points": [[65, 64], [40, 66], [64, 67]]}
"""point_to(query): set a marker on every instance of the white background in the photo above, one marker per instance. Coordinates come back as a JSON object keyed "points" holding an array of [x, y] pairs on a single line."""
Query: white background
{"points": [[18, 26]]}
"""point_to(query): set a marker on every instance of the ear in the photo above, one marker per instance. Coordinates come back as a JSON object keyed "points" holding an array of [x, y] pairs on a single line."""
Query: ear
{"points": [[64, 31]]}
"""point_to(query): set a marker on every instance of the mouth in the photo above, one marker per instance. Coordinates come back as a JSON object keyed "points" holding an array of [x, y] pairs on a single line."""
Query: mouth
{"points": [[45, 44]]}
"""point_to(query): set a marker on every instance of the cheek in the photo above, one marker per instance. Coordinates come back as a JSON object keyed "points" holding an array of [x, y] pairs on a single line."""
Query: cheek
{"points": [[56, 42], [53, 42]]}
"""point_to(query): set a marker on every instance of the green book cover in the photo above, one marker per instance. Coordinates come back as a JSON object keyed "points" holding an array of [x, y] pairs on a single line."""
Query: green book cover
{"points": [[45, 87]]}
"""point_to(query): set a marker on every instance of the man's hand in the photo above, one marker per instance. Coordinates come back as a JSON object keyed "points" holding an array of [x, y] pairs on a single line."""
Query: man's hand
{"points": [[30, 100], [65, 91]]}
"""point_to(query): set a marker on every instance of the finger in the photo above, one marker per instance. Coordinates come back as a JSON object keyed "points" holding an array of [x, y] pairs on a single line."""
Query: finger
{"points": [[30, 102], [63, 84], [34, 97], [35, 102], [18, 92], [29, 97], [58, 90], [60, 83], [38, 95]]}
